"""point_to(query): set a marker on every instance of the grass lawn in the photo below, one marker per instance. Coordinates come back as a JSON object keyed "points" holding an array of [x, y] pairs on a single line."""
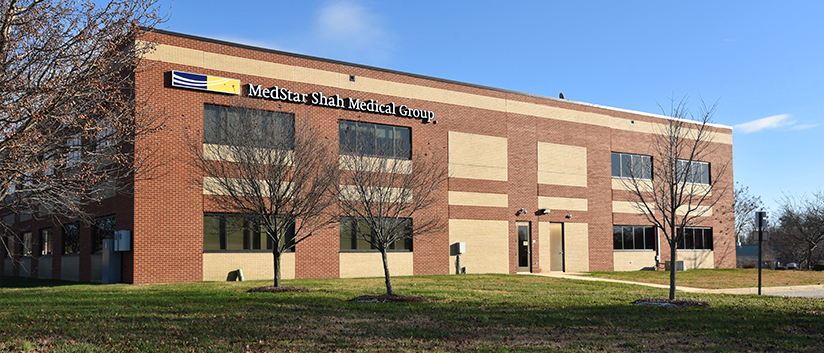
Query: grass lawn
{"points": [[498, 313], [721, 278]]}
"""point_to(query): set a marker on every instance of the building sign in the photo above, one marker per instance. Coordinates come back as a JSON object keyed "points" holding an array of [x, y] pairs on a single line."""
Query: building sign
{"points": [[232, 86], [205, 83], [335, 101]]}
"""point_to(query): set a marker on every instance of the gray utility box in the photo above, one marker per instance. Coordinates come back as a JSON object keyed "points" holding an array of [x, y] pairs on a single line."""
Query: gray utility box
{"points": [[679, 265]]}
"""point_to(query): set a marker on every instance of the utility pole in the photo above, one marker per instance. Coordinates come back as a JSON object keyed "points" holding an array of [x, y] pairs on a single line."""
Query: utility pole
{"points": [[760, 222]]}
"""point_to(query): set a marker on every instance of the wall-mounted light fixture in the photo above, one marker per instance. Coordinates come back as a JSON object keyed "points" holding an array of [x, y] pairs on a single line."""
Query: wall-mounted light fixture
{"points": [[542, 211], [569, 216], [520, 212]]}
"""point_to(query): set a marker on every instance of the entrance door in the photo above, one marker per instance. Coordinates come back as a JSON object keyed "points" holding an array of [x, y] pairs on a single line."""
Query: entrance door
{"points": [[556, 246], [524, 247]]}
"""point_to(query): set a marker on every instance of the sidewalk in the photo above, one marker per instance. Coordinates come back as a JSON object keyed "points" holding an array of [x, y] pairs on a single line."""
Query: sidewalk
{"points": [[749, 290]]}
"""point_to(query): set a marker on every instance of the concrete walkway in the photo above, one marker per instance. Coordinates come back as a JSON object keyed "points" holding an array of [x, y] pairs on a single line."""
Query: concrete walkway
{"points": [[811, 291]]}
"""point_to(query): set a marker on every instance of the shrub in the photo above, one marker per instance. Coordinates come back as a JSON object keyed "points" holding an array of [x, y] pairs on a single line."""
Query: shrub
{"points": [[780, 268], [818, 267]]}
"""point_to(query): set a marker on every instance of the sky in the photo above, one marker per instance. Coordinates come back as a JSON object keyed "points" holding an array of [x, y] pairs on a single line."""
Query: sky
{"points": [[762, 62]]}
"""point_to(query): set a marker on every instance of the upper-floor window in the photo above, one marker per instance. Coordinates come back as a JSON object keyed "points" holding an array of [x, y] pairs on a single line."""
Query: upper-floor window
{"points": [[224, 125], [696, 238], [224, 231], [695, 172], [354, 234], [375, 140], [633, 237], [635, 166]]}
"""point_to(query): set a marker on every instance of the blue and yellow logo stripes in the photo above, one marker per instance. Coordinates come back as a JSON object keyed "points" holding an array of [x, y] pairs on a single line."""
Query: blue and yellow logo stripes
{"points": [[205, 83]]}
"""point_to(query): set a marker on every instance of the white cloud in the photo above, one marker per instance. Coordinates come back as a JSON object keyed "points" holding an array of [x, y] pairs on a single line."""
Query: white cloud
{"points": [[803, 127], [771, 122], [352, 31]]}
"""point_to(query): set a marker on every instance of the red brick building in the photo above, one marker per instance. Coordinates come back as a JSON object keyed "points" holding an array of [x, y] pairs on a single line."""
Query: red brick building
{"points": [[507, 151]]}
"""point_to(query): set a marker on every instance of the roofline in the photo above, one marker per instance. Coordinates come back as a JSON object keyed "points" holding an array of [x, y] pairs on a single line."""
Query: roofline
{"points": [[431, 78]]}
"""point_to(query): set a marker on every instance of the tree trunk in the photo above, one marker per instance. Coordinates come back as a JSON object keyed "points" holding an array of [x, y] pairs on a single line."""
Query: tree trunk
{"points": [[386, 273], [276, 255], [673, 245]]}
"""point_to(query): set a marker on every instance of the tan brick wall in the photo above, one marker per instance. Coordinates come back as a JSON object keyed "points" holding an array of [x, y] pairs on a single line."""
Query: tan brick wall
{"points": [[474, 156], [487, 245], [633, 260], [70, 271], [576, 247], [462, 198], [696, 258], [255, 265], [562, 203], [370, 264], [562, 164]]}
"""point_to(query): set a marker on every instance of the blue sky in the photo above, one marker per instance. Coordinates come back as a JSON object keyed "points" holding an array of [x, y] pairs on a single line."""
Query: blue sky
{"points": [[762, 61]]}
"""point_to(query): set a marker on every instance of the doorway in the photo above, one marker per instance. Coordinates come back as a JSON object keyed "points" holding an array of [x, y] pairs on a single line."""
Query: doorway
{"points": [[524, 247], [556, 247]]}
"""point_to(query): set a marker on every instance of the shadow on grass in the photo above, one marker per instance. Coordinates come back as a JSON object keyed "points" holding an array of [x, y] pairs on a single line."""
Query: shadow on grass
{"points": [[483, 313], [23, 282]]}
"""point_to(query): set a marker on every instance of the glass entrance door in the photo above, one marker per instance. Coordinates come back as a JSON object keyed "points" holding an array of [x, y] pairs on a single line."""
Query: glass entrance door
{"points": [[556, 246], [524, 247]]}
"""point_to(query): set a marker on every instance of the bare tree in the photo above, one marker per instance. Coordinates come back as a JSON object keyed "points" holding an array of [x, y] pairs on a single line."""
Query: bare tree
{"points": [[800, 233], [745, 207], [674, 190], [386, 195], [267, 167], [69, 114]]}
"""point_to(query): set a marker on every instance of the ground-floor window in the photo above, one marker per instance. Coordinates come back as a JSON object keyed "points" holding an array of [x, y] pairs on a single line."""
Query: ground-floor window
{"points": [[25, 250], [46, 241], [633, 237], [71, 238], [696, 239], [226, 231], [355, 232], [103, 229]]}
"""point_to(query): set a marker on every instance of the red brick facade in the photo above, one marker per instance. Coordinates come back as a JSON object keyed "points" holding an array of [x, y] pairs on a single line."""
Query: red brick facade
{"points": [[166, 212]]}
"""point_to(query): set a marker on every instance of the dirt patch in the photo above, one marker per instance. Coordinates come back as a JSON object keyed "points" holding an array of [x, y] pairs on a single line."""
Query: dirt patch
{"points": [[670, 302], [388, 298], [281, 289]]}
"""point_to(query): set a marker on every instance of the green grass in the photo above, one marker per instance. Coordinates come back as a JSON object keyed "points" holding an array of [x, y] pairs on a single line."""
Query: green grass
{"points": [[496, 313], [721, 278]]}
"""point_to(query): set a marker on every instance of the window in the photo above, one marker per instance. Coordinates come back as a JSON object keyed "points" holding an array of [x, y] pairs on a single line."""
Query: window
{"points": [[71, 238], [696, 172], [226, 125], [633, 237], [237, 232], [103, 229], [696, 239], [26, 248], [73, 157], [625, 165], [352, 231], [375, 140], [46, 241]]}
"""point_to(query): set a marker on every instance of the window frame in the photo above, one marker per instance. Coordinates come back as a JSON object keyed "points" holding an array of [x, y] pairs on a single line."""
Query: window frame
{"points": [[707, 239], [648, 235], [356, 241], [214, 135], [71, 238], [99, 233], [621, 165], [401, 140], [251, 234], [696, 168], [46, 241]]}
